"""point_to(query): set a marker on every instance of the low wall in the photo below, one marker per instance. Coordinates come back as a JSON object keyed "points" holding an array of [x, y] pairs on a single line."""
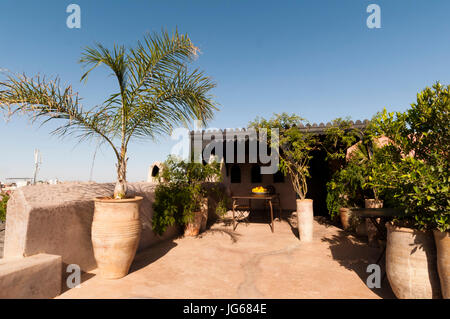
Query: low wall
{"points": [[38, 276], [56, 219]]}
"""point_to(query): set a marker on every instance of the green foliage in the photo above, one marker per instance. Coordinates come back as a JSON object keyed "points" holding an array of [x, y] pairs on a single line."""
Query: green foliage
{"points": [[345, 189], [156, 92], [173, 205], [294, 147], [415, 173], [419, 189], [338, 138], [180, 192], [423, 130], [3, 203]]}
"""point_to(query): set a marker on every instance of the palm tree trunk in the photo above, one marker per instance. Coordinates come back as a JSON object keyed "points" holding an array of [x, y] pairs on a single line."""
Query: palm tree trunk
{"points": [[120, 191]]}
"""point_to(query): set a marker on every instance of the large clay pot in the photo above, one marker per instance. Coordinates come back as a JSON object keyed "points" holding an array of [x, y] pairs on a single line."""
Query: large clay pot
{"points": [[411, 263], [345, 214], [116, 231], [442, 240], [370, 227], [193, 228], [305, 218]]}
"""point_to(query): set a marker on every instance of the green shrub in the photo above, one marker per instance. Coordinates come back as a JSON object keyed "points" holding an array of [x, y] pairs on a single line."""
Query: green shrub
{"points": [[3, 203], [345, 189], [173, 205], [180, 191], [420, 190]]}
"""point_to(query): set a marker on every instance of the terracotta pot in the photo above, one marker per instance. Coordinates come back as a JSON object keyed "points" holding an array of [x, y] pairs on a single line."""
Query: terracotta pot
{"points": [[116, 231], [411, 263], [370, 227], [373, 203], [442, 240], [193, 228], [305, 218], [345, 215]]}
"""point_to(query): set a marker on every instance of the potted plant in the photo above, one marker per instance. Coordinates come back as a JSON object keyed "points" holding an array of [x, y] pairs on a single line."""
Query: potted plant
{"points": [[417, 181], [155, 92], [294, 152], [411, 260], [344, 191], [344, 188], [181, 197]]}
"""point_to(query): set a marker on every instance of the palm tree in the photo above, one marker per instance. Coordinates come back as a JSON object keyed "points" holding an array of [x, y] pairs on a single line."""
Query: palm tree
{"points": [[156, 91]]}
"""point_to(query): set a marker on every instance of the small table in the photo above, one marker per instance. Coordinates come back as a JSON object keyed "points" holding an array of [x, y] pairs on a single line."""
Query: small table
{"points": [[373, 214], [267, 197]]}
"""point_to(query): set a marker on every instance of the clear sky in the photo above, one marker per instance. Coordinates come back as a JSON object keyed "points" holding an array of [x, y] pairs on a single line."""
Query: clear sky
{"points": [[316, 58]]}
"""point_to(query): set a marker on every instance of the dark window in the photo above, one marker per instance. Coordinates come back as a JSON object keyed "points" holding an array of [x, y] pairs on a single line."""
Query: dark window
{"points": [[256, 174], [235, 174], [155, 171], [278, 177]]}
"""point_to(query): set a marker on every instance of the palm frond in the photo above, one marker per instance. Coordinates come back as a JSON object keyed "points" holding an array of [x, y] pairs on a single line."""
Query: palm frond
{"points": [[45, 100]]}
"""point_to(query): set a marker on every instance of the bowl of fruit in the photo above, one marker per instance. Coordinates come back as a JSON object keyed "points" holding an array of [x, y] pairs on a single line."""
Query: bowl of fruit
{"points": [[260, 190]]}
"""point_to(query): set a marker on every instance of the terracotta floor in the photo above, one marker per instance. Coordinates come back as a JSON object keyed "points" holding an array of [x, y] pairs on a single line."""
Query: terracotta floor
{"points": [[249, 263]]}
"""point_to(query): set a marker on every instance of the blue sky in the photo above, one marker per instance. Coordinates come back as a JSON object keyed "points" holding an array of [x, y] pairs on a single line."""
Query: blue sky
{"points": [[315, 58]]}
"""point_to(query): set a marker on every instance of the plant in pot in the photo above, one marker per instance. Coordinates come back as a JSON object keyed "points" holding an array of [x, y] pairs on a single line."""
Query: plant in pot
{"points": [[344, 188], [181, 196], [418, 184], [294, 151], [344, 191], [156, 91], [367, 154]]}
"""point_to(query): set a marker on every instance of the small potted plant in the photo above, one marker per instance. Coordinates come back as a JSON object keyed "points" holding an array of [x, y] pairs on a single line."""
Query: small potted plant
{"points": [[156, 91], [181, 196], [344, 191]]}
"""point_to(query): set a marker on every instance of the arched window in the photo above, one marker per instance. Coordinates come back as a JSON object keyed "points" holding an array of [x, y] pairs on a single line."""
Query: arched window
{"points": [[155, 171], [235, 174], [256, 176]]}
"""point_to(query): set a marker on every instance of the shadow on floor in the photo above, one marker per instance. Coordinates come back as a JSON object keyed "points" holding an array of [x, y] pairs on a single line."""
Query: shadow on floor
{"points": [[232, 234], [65, 278], [151, 254], [354, 254]]}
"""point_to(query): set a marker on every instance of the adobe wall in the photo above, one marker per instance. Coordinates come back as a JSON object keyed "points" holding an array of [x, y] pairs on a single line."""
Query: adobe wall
{"points": [[56, 219]]}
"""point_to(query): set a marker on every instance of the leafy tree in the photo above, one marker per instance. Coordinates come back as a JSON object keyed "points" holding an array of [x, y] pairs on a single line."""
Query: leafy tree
{"points": [[156, 91], [415, 173], [294, 147]]}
